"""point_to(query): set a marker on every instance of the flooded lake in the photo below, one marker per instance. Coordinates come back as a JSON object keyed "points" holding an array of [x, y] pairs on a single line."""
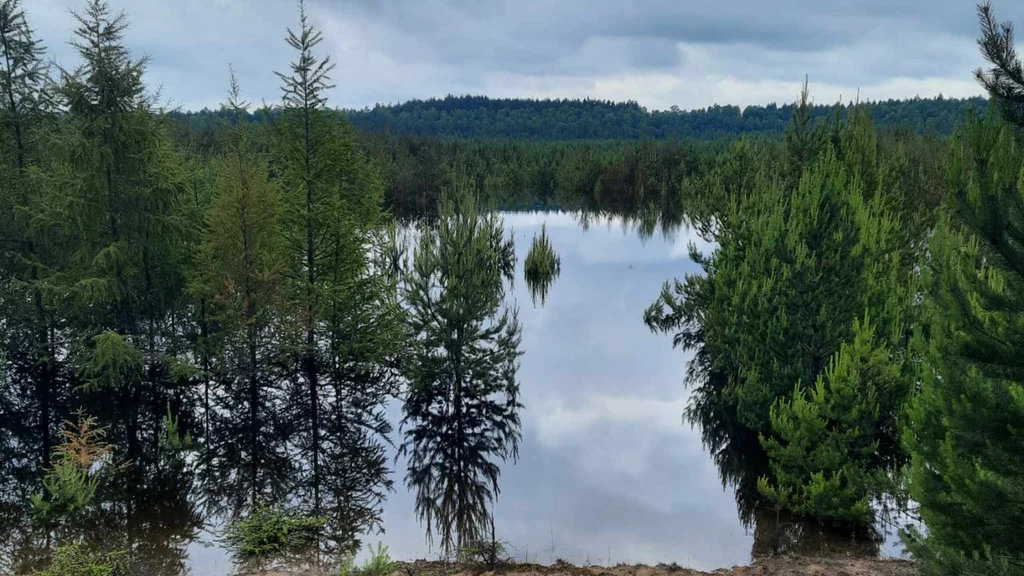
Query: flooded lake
{"points": [[608, 471]]}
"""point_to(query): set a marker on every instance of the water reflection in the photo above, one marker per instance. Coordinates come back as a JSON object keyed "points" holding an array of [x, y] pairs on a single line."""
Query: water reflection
{"points": [[776, 533], [609, 472]]}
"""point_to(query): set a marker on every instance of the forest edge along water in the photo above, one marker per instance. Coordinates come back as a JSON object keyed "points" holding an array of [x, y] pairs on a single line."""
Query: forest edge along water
{"points": [[279, 338]]}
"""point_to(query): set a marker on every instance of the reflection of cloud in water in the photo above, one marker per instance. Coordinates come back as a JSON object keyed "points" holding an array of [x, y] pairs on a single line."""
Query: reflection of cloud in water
{"points": [[606, 461], [681, 246]]}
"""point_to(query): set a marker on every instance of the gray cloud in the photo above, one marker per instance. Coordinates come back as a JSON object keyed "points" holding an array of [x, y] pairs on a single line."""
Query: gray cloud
{"points": [[658, 52]]}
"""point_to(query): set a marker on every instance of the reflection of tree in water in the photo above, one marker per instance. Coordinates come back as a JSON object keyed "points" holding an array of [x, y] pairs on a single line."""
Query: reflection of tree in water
{"points": [[735, 449], [542, 266], [155, 527], [777, 532]]}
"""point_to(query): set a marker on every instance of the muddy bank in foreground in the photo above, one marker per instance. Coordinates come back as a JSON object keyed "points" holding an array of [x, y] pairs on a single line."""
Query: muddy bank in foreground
{"points": [[779, 566]]}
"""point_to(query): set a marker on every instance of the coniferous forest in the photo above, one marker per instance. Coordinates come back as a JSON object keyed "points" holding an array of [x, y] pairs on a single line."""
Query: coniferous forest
{"points": [[209, 320]]}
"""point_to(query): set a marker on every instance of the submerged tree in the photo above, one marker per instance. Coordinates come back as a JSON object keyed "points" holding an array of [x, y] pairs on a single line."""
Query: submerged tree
{"points": [[33, 383], [797, 323], [342, 301], [461, 413], [542, 266], [242, 271], [126, 280]]}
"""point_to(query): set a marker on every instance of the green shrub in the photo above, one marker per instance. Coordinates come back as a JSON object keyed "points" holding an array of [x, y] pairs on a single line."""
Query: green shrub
{"points": [[269, 533], [79, 463], [378, 564], [76, 560], [485, 552]]}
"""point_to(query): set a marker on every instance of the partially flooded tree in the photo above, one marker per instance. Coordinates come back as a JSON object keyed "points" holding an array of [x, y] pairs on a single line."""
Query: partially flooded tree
{"points": [[341, 301], [461, 413], [124, 187], [28, 255], [243, 272], [542, 266]]}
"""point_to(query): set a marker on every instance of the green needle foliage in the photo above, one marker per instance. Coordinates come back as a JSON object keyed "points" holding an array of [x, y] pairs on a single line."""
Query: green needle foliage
{"points": [[378, 564], [268, 534], [963, 429], [343, 327], [240, 272], [542, 265], [799, 325], [29, 251], [77, 560], [126, 188], [461, 413]]}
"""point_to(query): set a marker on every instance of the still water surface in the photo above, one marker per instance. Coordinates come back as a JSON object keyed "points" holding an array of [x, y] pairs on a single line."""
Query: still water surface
{"points": [[607, 467], [608, 471]]}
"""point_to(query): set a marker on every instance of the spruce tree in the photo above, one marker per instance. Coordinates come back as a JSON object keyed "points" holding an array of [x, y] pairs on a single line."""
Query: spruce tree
{"points": [[28, 256], [461, 413]]}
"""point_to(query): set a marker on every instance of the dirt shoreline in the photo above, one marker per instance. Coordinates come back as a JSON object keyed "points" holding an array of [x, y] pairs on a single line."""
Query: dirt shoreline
{"points": [[777, 566], [786, 565]]}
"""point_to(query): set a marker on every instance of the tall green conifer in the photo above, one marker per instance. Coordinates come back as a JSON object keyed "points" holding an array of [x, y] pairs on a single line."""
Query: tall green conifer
{"points": [[964, 429], [126, 188], [243, 277], [339, 297], [27, 256]]}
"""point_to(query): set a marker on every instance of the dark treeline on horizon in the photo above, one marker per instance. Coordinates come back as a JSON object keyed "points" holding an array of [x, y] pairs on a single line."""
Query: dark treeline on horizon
{"points": [[484, 118]]}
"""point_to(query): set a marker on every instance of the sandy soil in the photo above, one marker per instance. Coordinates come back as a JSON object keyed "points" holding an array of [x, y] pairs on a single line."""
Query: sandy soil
{"points": [[778, 566]]}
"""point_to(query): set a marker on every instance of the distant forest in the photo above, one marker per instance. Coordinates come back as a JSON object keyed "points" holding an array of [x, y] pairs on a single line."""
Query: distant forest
{"points": [[483, 118]]}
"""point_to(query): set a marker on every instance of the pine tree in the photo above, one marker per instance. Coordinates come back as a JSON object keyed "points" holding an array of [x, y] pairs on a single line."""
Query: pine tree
{"points": [[461, 412], [795, 270], [1004, 81], [963, 430], [803, 141]]}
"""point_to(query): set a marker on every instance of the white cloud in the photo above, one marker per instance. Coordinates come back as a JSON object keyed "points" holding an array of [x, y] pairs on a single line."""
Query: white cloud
{"points": [[557, 424]]}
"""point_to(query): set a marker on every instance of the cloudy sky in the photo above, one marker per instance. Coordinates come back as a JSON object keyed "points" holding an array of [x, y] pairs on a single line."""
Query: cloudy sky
{"points": [[690, 53]]}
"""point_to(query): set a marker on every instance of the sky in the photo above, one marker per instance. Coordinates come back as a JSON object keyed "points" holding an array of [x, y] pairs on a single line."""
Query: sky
{"points": [[660, 53]]}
